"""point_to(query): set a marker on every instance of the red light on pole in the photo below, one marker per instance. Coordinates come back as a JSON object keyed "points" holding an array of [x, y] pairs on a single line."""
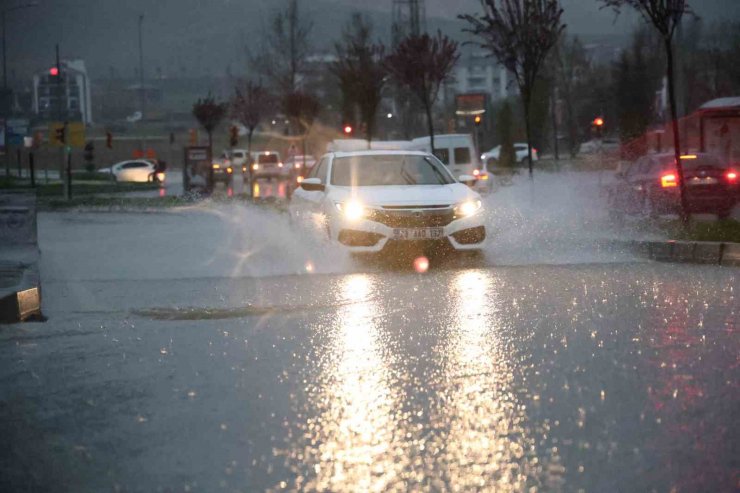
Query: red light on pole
{"points": [[54, 71], [599, 122], [348, 129]]}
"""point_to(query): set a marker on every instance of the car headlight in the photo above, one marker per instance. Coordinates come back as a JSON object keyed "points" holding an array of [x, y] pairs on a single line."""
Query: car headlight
{"points": [[255, 166], [351, 210], [468, 208]]}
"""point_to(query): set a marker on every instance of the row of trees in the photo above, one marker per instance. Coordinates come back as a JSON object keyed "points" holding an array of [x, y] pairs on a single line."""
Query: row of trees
{"points": [[519, 34]]}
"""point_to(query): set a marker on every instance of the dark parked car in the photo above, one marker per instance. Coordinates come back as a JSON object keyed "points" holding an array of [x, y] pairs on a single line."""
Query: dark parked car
{"points": [[650, 186]]}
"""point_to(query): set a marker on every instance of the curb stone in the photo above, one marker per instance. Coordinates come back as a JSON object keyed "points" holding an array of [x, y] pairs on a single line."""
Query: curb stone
{"points": [[694, 252], [20, 282]]}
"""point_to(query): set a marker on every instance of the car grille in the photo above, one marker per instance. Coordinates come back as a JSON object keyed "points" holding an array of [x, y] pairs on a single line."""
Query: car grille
{"points": [[413, 217]]}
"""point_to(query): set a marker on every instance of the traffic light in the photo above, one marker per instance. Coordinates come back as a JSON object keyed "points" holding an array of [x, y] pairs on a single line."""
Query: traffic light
{"points": [[193, 137], [54, 71], [233, 136], [109, 140], [348, 130], [598, 126], [60, 134], [477, 120], [89, 155]]}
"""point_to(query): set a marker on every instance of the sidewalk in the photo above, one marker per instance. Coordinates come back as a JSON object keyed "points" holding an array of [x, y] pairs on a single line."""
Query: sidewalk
{"points": [[20, 283]]}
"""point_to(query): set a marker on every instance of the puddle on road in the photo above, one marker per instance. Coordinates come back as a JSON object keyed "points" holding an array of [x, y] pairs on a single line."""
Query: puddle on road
{"points": [[201, 313]]}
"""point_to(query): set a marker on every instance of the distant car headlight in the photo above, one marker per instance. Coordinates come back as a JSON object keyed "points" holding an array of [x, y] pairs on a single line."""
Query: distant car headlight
{"points": [[351, 210], [255, 166], [468, 208]]}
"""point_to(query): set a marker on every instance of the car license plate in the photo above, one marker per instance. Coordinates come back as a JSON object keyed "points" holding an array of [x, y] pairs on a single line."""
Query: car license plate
{"points": [[703, 181], [418, 233]]}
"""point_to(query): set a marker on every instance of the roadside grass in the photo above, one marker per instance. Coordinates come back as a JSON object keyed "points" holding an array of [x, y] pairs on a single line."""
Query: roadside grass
{"points": [[725, 230], [116, 204], [112, 203], [80, 186]]}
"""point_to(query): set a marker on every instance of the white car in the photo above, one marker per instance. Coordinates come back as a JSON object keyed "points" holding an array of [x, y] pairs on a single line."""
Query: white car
{"points": [[136, 170], [596, 145], [366, 199], [266, 164], [522, 154]]}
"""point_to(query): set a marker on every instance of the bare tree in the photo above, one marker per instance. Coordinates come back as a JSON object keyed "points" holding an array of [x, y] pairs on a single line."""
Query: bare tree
{"points": [[209, 114], [361, 72], [571, 63], [252, 102], [665, 16], [285, 48], [423, 63], [519, 33]]}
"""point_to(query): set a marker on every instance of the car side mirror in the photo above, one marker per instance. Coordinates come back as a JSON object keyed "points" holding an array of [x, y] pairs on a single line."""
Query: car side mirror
{"points": [[467, 179], [313, 185]]}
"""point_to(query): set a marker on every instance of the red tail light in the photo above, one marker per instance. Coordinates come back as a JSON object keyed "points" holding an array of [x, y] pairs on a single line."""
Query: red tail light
{"points": [[669, 181], [732, 176]]}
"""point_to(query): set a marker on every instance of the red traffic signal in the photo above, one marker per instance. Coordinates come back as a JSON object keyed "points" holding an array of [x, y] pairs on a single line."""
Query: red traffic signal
{"points": [[598, 122], [109, 140], [348, 129], [54, 71]]}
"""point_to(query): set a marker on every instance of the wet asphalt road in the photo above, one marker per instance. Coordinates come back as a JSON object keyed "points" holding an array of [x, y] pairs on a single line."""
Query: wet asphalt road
{"points": [[198, 366]]}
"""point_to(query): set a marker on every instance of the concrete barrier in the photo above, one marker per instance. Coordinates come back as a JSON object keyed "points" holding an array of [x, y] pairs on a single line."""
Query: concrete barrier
{"points": [[20, 282], [707, 252], [731, 254]]}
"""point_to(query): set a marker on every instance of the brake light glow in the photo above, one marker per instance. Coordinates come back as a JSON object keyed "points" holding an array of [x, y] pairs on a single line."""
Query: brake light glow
{"points": [[668, 181], [731, 176]]}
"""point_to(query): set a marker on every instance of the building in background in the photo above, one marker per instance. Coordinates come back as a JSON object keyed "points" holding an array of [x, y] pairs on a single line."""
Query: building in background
{"points": [[475, 72], [63, 94]]}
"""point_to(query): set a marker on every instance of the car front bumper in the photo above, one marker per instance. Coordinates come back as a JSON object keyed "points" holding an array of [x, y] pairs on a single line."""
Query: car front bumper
{"points": [[367, 236]]}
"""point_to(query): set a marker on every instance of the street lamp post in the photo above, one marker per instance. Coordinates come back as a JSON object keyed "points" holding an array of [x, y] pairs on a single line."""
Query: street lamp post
{"points": [[5, 99], [142, 94], [5, 43]]}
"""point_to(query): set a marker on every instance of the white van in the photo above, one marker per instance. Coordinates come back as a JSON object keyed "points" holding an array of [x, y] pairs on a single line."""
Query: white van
{"points": [[458, 153]]}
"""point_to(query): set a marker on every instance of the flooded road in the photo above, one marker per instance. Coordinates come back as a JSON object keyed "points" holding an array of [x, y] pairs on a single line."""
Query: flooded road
{"points": [[195, 350]]}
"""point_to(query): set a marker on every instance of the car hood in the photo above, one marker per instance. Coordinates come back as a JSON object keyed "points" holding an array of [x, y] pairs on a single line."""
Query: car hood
{"points": [[406, 194]]}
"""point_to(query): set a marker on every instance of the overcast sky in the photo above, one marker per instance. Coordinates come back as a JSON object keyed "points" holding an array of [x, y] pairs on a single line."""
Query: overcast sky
{"points": [[210, 36]]}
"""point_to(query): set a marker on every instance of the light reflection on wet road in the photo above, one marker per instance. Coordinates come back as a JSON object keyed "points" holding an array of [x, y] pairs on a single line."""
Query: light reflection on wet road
{"points": [[594, 377], [183, 353]]}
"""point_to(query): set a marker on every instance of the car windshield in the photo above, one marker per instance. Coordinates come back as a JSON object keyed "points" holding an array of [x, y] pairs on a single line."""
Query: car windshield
{"points": [[267, 159], [388, 169]]}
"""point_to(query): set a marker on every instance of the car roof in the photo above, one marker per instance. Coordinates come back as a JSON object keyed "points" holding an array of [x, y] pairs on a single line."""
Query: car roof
{"points": [[378, 153]]}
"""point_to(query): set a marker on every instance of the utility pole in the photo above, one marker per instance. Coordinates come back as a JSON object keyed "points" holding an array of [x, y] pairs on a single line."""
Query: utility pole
{"points": [[142, 94]]}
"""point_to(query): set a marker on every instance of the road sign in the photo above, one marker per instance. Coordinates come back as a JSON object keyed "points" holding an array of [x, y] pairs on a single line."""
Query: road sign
{"points": [[74, 134], [16, 130]]}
